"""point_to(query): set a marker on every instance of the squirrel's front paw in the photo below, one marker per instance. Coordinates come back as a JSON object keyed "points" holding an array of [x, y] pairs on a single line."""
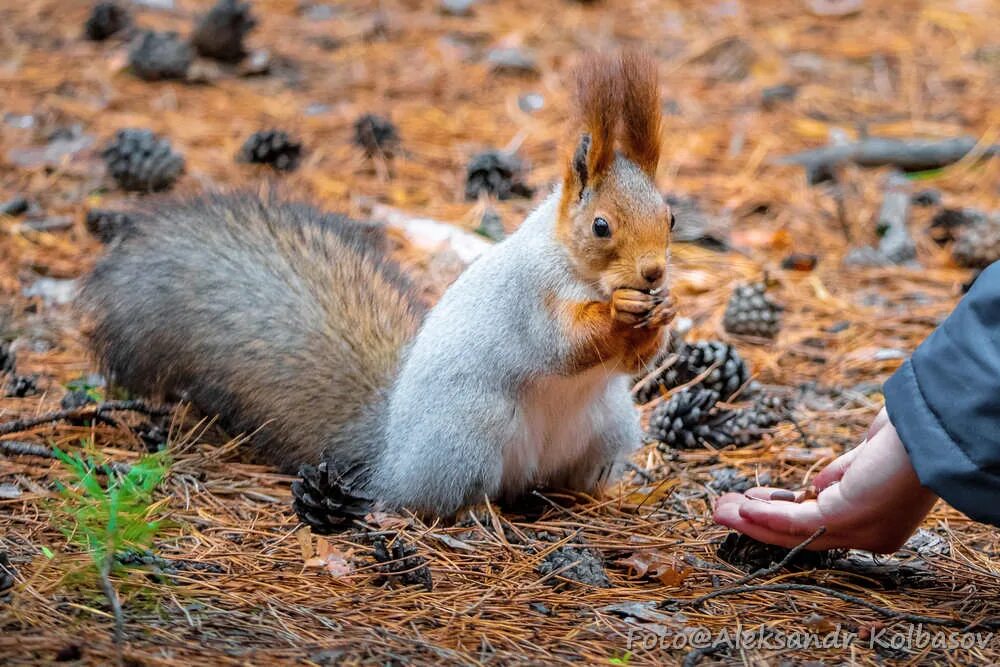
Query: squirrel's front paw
{"points": [[662, 314], [630, 306]]}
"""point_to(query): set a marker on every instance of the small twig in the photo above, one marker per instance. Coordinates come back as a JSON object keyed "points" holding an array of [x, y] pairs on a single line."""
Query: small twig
{"points": [[884, 611], [84, 412], [112, 595], [806, 440], [21, 448], [694, 656], [766, 571], [652, 375]]}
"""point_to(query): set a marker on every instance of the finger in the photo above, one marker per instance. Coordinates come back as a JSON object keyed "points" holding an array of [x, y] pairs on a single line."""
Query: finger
{"points": [[633, 305], [727, 513], [632, 294], [881, 419], [835, 471], [630, 318], [789, 518]]}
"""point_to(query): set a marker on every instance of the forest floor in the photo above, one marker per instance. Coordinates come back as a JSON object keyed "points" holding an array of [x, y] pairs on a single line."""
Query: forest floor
{"points": [[241, 583]]}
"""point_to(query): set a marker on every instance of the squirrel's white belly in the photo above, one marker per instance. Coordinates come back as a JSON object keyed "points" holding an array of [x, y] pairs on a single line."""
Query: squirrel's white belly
{"points": [[557, 418]]}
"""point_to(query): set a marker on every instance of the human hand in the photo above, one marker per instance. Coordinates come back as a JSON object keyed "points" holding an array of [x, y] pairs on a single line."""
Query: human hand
{"points": [[868, 498]]}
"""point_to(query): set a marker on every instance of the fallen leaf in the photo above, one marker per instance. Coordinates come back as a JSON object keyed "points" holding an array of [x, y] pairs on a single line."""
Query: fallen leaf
{"points": [[452, 542], [334, 560], [644, 611], [657, 565]]}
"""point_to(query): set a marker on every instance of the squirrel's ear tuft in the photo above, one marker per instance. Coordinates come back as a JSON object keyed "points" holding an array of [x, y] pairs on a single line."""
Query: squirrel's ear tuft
{"points": [[641, 113], [598, 98]]}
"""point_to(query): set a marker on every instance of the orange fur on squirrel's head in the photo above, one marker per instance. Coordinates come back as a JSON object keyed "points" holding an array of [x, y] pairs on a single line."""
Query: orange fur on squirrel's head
{"points": [[612, 218]]}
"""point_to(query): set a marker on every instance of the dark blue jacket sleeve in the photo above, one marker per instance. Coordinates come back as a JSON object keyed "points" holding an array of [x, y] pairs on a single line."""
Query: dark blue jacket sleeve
{"points": [[945, 404]]}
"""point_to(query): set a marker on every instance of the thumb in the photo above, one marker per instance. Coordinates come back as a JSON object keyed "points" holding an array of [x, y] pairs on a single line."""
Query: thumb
{"points": [[835, 471]]}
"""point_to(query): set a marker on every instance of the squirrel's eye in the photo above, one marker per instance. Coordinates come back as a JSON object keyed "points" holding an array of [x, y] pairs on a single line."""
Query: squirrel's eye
{"points": [[673, 221], [602, 229]]}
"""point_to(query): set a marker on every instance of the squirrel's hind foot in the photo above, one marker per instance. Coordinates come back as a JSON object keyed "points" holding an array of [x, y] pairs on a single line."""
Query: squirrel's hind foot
{"points": [[326, 499]]}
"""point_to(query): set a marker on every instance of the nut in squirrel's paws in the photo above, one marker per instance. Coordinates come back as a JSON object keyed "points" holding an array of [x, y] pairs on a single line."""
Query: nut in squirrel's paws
{"points": [[632, 306], [662, 314]]}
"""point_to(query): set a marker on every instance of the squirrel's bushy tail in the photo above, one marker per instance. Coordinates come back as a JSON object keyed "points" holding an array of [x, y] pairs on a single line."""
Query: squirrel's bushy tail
{"points": [[286, 323]]}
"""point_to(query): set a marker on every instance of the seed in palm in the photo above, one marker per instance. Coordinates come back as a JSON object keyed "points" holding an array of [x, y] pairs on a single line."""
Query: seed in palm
{"points": [[272, 147], [141, 161], [750, 312], [377, 135]]}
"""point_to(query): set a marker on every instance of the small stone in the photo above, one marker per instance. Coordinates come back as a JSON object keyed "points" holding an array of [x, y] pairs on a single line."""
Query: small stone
{"points": [[531, 102], [318, 13], [53, 291], [54, 223], [540, 608], [772, 95], [511, 60], [156, 56], [15, 206], [258, 63], [457, 7], [926, 198]]}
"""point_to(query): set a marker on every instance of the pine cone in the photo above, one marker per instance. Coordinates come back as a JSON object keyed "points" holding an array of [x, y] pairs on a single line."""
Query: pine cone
{"points": [[105, 20], [498, 174], [745, 426], [220, 32], [401, 562], [141, 161], [751, 313], [324, 499], [273, 147], [692, 418], [726, 379], [978, 245], [376, 135], [21, 386], [160, 55], [107, 225], [687, 419], [948, 223]]}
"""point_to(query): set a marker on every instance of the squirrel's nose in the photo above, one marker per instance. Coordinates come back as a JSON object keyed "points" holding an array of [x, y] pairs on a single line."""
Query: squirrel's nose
{"points": [[652, 272]]}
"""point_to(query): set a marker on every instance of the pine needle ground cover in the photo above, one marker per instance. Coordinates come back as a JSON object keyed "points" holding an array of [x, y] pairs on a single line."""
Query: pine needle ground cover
{"points": [[638, 576]]}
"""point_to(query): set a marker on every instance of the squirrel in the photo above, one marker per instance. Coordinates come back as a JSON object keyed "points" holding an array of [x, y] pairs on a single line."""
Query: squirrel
{"points": [[297, 328]]}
